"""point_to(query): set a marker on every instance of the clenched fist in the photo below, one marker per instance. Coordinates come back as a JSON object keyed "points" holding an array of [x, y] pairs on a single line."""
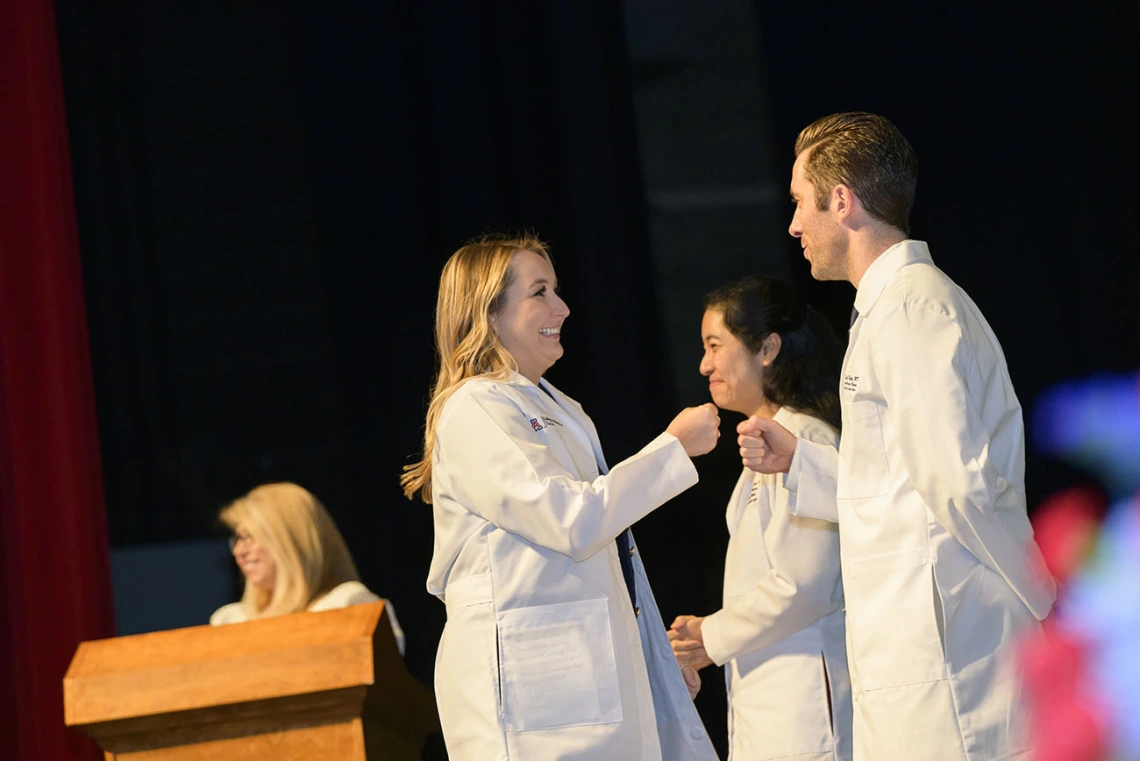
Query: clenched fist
{"points": [[765, 445], [697, 428]]}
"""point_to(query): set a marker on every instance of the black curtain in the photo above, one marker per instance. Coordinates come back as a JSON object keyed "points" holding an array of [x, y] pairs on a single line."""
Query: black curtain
{"points": [[266, 193], [424, 128], [1023, 118]]}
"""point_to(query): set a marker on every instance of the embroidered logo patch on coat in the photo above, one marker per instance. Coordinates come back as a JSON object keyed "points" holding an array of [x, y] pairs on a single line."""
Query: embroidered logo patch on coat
{"points": [[535, 424]]}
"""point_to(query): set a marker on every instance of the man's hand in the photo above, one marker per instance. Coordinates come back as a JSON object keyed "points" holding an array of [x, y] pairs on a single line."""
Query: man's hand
{"points": [[688, 644], [765, 445]]}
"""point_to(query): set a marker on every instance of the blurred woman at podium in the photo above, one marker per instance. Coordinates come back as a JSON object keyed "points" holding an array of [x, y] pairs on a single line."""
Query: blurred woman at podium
{"points": [[293, 558]]}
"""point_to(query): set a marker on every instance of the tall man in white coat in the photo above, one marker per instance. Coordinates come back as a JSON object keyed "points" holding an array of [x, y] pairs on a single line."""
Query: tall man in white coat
{"points": [[940, 571]]}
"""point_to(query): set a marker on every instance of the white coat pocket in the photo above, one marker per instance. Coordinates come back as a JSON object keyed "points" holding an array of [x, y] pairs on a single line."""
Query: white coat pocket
{"points": [[557, 666], [892, 620], [865, 472]]}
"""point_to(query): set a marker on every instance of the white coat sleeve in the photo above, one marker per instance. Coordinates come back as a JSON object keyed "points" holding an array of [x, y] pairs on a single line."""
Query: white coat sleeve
{"points": [[500, 469], [811, 481], [802, 586], [944, 445]]}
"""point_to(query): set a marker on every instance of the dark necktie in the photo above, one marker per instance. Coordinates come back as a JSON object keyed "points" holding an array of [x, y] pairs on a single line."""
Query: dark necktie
{"points": [[625, 554]]}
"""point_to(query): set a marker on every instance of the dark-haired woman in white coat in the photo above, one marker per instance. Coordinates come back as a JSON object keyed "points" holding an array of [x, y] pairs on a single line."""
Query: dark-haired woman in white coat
{"points": [[780, 633]]}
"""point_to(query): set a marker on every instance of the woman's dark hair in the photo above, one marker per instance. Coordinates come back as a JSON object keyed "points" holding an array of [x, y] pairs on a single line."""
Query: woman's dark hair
{"points": [[805, 374]]}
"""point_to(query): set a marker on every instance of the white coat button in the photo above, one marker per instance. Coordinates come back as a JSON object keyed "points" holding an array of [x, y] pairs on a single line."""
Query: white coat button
{"points": [[696, 733]]}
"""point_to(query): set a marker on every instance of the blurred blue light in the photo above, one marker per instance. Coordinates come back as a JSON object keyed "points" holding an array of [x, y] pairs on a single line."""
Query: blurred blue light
{"points": [[1094, 424]]}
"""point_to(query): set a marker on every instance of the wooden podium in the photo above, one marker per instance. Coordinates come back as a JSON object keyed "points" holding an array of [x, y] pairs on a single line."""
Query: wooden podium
{"points": [[329, 685]]}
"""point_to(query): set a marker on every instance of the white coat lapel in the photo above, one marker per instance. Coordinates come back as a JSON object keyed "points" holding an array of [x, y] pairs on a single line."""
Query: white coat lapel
{"points": [[739, 501], [580, 425]]}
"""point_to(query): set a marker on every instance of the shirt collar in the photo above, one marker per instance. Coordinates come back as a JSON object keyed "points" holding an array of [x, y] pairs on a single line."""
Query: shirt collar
{"points": [[889, 262]]}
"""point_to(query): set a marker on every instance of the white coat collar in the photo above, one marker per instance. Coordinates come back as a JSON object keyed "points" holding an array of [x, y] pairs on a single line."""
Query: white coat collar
{"points": [[877, 276], [515, 378], [782, 416]]}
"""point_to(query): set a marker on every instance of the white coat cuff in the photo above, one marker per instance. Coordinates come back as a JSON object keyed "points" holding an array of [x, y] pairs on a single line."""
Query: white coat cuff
{"points": [[715, 646], [679, 466], [811, 482]]}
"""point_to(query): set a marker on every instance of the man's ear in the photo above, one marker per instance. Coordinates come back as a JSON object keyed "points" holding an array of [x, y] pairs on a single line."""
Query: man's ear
{"points": [[844, 202]]}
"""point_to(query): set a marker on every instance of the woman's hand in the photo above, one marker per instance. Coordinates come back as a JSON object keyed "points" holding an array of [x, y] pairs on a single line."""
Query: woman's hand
{"points": [[688, 643], [697, 428], [692, 680]]}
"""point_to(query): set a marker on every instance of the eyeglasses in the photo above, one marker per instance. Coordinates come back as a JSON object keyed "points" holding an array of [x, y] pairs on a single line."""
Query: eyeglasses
{"points": [[236, 539]]}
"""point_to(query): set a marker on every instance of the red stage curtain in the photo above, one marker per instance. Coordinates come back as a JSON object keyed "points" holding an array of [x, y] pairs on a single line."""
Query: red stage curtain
{"points": [[54, 571]]}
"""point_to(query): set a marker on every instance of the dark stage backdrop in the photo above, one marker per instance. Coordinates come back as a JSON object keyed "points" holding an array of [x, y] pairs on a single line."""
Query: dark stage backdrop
{"points": [[1023, 118], [266, 191]]}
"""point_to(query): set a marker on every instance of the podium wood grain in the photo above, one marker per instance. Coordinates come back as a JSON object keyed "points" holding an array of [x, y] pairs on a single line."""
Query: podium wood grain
{"points": [[327, 685]]}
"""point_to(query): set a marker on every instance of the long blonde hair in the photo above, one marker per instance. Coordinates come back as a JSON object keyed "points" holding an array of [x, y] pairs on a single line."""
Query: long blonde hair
{"points": [[308, 549], [472, 288]]}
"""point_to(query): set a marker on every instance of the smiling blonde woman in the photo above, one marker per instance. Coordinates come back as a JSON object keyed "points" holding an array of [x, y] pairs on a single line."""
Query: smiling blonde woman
{"points": [[553, 646]]}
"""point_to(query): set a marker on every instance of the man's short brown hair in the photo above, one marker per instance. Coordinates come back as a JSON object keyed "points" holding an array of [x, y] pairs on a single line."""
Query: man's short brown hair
{"points": [[867, 153]]}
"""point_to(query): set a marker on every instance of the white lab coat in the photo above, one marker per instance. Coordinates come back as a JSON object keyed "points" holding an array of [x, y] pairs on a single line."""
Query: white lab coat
{"points": [[940, 572], [780, 633], [542, 656]]}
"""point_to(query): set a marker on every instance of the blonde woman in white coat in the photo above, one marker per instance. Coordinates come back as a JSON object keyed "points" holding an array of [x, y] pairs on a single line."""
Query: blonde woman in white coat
{"points": [[780, 632], [553, 647]]}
